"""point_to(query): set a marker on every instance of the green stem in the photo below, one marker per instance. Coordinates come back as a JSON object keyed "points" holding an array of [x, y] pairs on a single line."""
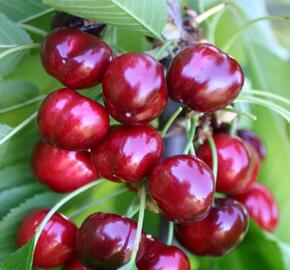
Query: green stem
{"points": [[133, 212], [7, 46], [161, 51], [35, 16], [193, 123], [97, 201], [33, 29], [210, 12], [170, 235], [232, 40], [239, 112], [60, 204], [170, 121], [214, 157], [21, 105], [19, 48], [18, 128]]}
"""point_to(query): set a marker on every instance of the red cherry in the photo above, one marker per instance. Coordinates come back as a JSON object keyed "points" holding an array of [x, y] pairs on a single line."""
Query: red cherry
{"points": [[158, 256], [252, 138], [71, 121], [75, 58], [74, 264], [183, 188], [220, 232], [261, 205], [204, 78], [134, 88], [56, 243], [106, 241], [128, 153], [238, 163], [61, 170]]}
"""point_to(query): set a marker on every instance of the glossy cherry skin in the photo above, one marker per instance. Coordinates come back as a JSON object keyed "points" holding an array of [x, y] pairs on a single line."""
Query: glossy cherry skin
{"points": [[75, 58], [56, 244], [238, 163], [61, 170], [71, 121], [204, 78], [261, 205], [128, 153], [74, 264], [134, 88], [220, 232], [252, 138], [105, 241], [158, 256], [183, 188]]}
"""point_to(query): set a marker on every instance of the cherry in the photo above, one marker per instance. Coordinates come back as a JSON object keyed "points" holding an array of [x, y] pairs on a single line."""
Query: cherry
{"points": [[75, 58], [134, 88], [204, 78], [220, 232], [106, 241], [238, 163], [128, 153], [74, 264], [61, 170], [261, 205], [159, 256], [56, 243], [183, 188], [71, 121], [253, 139]]}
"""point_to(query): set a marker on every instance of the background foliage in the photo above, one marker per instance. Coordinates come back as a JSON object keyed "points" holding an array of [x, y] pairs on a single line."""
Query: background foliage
{"points": [[262, 49]]}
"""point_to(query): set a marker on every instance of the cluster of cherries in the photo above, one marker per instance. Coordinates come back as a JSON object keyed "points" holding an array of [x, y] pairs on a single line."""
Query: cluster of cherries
{"points": [[79, 146]]}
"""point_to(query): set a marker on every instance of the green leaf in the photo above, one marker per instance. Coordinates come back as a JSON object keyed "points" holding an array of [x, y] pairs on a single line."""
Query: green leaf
{"points": [[18, 10], [11, 34], [147, 17], [4, 130]]}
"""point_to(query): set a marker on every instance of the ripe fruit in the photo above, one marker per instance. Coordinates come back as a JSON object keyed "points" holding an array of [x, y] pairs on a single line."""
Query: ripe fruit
{"points": [[261, 205], [183, 188], [161, 257], [204, 78], [128, 153], [71, 121], [74, 264], [56, 243], [238, 163], [105, 241], [62, 170], [221, 231], [252, 138], [75, 58], [134, 88]]}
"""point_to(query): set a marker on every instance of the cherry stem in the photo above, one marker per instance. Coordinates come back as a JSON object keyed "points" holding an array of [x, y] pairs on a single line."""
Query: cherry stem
{"points": [[170, 121], [35, 16], [19, 48], [170, 235], [97, 201], [165, 46], [214, 157], [189, 145], [60, 204], [21, 105], [250, 23], [18, 128], [139, 227], [210, 12], [33, 29], [240, 113]]}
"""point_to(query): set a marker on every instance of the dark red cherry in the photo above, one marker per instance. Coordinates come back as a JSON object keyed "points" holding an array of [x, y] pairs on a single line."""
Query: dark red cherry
{"points": [[61, 170], [134, 88], [128, 153], [204, 78], [77, 59], [261, 205], [220, 232], [238, 163], [106, 241], [74, 264], [158, 256], [71, 121], [252, 138], [56, 244], [183, 188]]}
